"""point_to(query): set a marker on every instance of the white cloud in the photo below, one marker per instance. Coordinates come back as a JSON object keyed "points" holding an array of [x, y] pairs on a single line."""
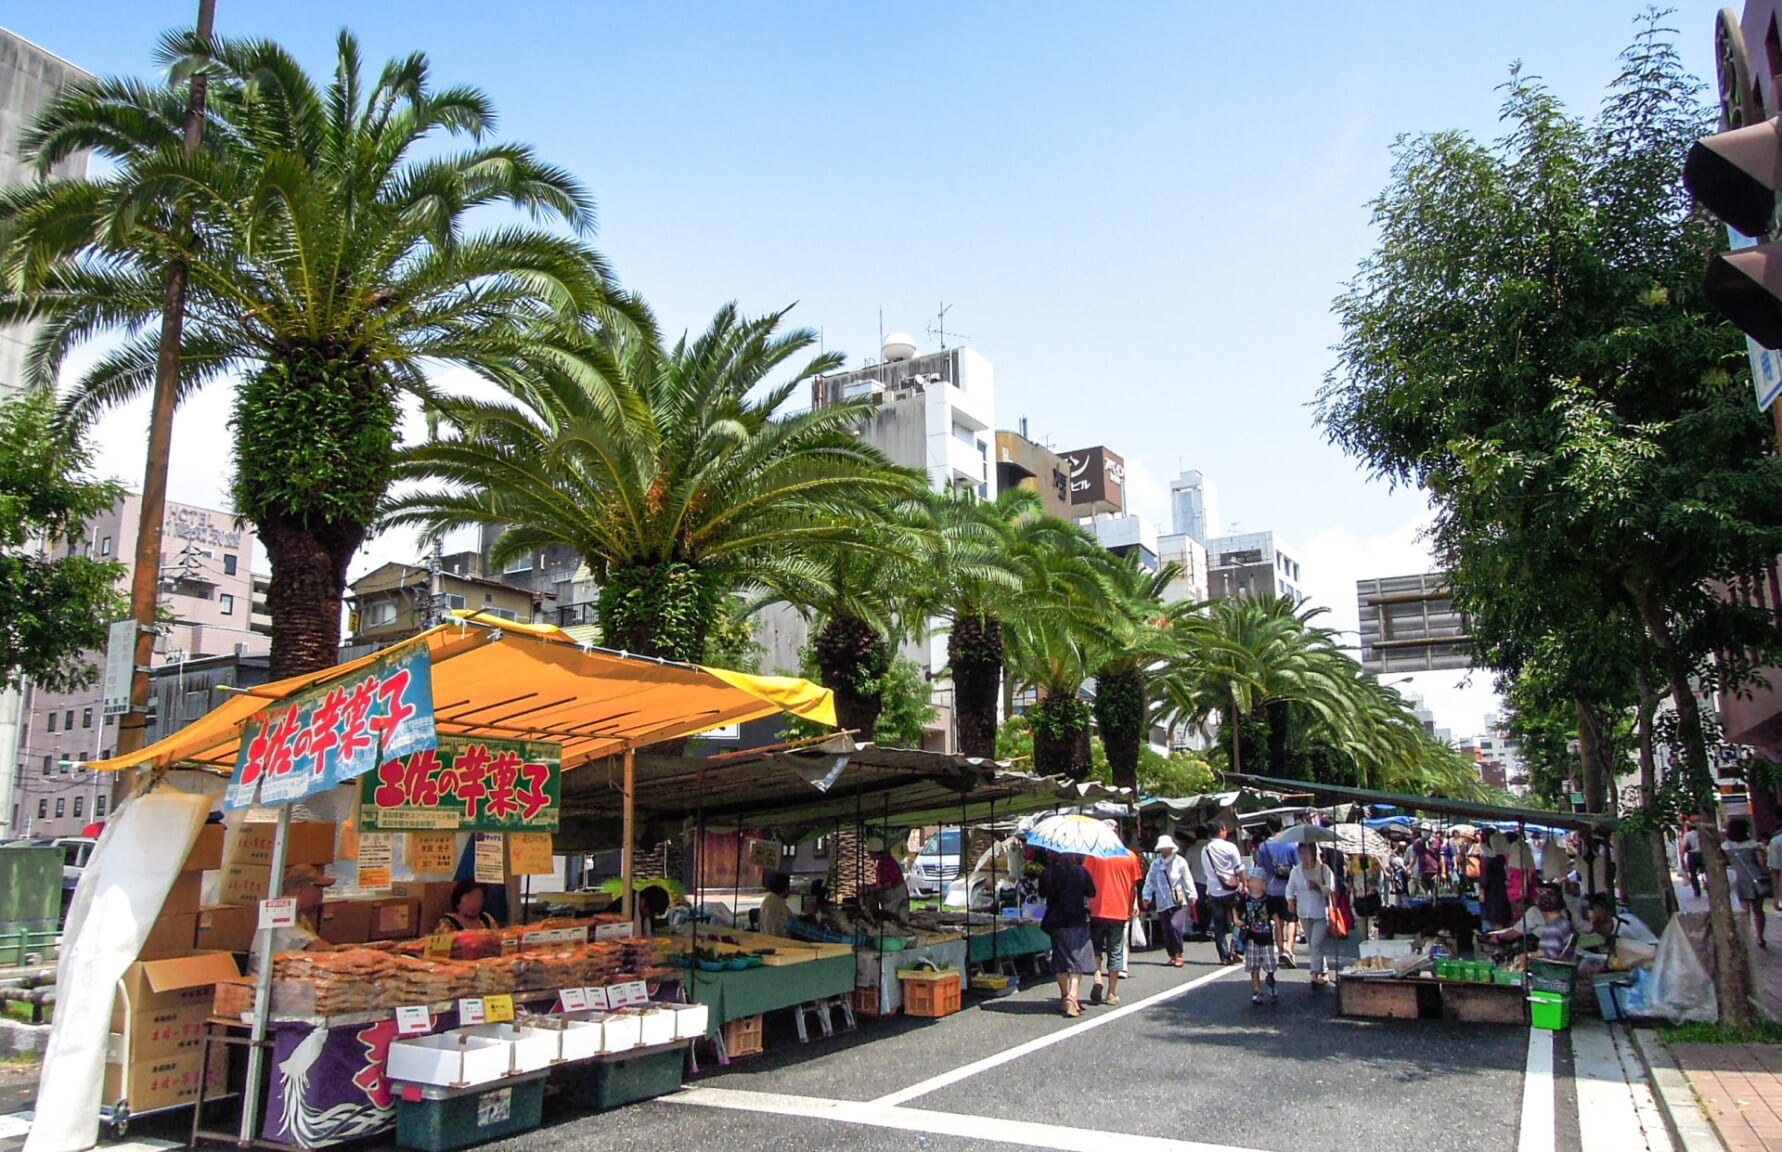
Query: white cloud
{"points": [[1147, 496], [1334, 559]]}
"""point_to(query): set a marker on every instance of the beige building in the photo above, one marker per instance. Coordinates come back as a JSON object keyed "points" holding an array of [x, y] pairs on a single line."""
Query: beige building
{"points": [[391, 602]]}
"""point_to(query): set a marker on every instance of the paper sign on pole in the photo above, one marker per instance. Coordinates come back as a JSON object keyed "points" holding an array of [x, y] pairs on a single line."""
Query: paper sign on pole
{"points": [[472, 1010], [489, 869], [413, 1020], [376, 857], [498, 1009], [573, 999], [280, 913], [431, 852], [120, 667], [764, 853], [529, 853]]}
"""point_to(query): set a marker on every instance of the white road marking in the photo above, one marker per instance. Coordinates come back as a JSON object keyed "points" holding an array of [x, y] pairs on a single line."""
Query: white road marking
{"points": [[1652, 1126], [1537, 1094], [874, 1114], [966, 1071]]}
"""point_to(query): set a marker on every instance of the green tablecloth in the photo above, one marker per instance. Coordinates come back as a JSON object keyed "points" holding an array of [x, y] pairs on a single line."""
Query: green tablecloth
{"points": [[1009, 940], [752, 991]]}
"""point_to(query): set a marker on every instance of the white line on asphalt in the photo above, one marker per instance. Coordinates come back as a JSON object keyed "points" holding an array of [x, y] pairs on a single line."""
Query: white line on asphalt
{"points": [[1537, 1094], [876, 1115], [966, 1071]]}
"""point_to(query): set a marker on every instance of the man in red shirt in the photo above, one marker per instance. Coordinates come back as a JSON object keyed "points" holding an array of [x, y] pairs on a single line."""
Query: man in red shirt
{"points": [[1116, 898]]}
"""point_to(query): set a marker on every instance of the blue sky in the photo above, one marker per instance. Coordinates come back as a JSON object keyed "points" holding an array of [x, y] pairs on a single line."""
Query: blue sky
{"points": [[1140, 213]]}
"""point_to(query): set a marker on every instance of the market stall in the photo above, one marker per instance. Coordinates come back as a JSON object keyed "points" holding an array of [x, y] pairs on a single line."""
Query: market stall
{"points": [[877, 972], [462, 734]]}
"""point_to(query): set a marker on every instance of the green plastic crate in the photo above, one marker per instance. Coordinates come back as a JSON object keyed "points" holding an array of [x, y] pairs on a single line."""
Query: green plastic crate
{"points": [[1550, 1011], [602, 1085], [440, 1121]]}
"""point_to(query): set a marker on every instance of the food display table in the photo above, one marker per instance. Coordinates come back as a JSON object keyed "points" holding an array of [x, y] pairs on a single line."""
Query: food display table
{"points": [[878, 970], [1008, 941], [752, 991]]}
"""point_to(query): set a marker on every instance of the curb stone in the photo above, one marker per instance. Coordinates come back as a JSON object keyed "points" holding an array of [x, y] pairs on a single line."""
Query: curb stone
{"points": [[1683, 1114]]}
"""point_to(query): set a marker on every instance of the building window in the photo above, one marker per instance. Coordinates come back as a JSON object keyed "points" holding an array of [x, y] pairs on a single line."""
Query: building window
{"points": [[105, 546], [86, 717], [52, 722], [68, 720], [46, 764], [99, 806], [519, 564], [228, 604], [380, 613], [453, 600], [502, 613], [43, 808], [61, 807], [80, 806], [228, 564], [110, 720]]}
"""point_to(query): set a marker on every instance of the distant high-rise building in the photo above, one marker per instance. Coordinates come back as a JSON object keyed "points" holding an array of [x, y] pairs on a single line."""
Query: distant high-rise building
{"points": [[1254, 564], [1194, 506]]}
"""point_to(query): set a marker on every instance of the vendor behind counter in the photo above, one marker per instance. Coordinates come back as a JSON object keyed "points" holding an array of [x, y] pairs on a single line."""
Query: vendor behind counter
{"points": [[467, 910], [307, 884]]}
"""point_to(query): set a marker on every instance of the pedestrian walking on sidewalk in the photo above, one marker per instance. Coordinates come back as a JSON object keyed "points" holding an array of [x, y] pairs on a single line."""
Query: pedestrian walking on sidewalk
{"points": [[1750, 873], [1310, 889], [1169, 888], [1692, 858], [1225, 880], [1110, 915], [1277, 862], [1067, 887], [1256, 923], [1775, 862]]}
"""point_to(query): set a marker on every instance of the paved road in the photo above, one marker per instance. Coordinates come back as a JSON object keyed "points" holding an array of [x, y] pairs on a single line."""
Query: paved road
{"points": [[1187, 1064]]}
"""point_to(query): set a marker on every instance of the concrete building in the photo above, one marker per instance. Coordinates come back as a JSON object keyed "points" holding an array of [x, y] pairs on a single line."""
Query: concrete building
{"points": [[1497, 755], [1191, 585], [1127, 536], [1097, 481], [207, 599], [1253, 564], [1021, 463], [1194, 507], [391, 602]]}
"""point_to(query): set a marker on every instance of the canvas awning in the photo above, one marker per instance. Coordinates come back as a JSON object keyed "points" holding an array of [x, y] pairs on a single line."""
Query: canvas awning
{"points": [[521, 681], [1473, 810]]}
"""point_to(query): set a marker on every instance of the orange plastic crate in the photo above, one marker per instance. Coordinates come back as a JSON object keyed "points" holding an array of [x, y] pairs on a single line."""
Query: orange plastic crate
{"points": [[742, 1037], [931, 994], [866, 1002]]}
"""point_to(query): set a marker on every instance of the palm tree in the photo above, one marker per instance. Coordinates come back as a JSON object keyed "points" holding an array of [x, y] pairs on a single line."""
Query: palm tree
{"points": [[662, 470], [1142, 637], [331, 258]]}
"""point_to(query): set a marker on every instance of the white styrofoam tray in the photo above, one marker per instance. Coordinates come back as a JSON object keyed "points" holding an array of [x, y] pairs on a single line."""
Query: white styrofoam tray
{"points": [[448, 1060], [655, 1026], [690, 1020], [619, 1032], [580, 1039], [533, 1048]]}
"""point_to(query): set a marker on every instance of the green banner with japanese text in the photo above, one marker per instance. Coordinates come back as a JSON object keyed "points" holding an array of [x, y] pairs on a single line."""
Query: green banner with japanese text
{"points": [[467, 784]]}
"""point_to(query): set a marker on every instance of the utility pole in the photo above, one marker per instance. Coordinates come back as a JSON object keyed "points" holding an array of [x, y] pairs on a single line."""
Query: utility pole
{"points": [[145, 581]]}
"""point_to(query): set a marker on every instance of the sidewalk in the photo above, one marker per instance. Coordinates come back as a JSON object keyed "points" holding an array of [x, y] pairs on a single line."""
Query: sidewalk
{"points": [[1739, 1086]]}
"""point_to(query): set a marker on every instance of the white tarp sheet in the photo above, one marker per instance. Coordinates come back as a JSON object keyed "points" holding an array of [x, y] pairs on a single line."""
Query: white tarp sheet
{"points": [[126, 881]]}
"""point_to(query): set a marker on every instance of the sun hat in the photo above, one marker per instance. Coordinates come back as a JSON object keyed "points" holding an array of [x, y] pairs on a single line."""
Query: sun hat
{"points": [[875, 844], [1165, 841]]}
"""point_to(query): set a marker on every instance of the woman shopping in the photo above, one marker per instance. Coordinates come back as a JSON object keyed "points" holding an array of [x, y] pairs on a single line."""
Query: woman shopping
{"points": [[1067, 886], [1169, 888], [1310, 889]]}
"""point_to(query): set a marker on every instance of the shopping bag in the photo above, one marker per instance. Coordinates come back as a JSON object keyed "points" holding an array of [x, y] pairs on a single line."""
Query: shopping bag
{"points": [[1338, 922], [1136, 933]]}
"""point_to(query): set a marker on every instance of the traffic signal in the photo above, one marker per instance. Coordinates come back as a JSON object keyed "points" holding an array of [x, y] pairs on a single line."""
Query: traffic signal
{"points": [[1736, 175]]}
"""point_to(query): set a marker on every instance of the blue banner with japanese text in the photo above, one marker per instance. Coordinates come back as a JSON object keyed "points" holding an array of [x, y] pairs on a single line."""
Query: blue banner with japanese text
{"points": [[336, 732]]}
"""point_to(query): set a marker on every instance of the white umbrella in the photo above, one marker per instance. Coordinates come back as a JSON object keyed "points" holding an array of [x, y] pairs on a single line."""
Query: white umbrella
{"points": [[1076, 836], [1359, 840], [1304, 834]]}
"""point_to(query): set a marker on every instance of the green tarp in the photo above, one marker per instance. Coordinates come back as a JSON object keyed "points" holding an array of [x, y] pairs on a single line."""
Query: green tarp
{"points": [[752, 991], [1009, 940]]}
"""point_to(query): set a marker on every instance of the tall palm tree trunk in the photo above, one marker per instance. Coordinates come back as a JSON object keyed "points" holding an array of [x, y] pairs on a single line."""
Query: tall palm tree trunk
{"points": [[1061, 744], [852, 659], [974, 653], [1120, 718], [664, 610], [309, 569], [1280, 724]]}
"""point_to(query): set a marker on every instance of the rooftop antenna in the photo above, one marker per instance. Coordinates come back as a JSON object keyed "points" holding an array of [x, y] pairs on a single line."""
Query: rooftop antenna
{"points": [[881, 325], [938, 329]]}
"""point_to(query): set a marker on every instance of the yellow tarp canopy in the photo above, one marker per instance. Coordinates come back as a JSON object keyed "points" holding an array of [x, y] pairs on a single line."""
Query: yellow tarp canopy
{"points": [[499, 679]]}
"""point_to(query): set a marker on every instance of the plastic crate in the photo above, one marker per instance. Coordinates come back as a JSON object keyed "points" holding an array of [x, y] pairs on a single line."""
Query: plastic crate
{"points": [[931, 995], [866, 1002], [1550, 1011], [1557, 976], [614, 1082], [437, 1121], [1508, 977], [742, 1037]]}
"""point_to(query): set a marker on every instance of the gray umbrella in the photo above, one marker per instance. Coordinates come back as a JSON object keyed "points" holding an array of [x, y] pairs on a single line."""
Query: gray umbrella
{"points": [[1304, 834]]}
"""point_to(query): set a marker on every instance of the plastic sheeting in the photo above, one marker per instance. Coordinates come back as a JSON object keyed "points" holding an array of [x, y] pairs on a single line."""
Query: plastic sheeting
{"points": [[138, 857], [1681, 990]]}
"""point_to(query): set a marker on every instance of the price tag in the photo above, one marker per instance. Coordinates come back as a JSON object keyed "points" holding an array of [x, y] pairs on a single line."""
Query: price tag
{"points": [[617, 996], [498, 1009], [280, 913], [612, 931], [574, 999], [471, 1011], [413, 1021], [437, 947], [638, 991], [597, 998]]}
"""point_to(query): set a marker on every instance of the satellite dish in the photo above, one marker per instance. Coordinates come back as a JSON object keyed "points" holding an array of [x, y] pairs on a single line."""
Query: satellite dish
{"points": [[899, 346]]}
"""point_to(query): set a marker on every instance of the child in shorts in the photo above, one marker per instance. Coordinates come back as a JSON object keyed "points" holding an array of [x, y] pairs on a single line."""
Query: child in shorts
{"points": [[1257, 926]]}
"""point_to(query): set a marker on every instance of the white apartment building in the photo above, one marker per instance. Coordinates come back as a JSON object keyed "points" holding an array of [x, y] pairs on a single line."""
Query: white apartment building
{"points": [[1253, 564], [1191, 555]]}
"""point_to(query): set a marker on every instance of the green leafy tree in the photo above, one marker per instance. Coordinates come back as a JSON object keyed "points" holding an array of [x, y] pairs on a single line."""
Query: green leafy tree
{"points": [[1530, 344], [54, 610], [331, 258], [1142, 636], [665, 468]]}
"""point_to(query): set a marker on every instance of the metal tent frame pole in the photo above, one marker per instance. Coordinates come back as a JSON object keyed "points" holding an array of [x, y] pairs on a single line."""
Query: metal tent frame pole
{"points": [[627, 851], [256, 1061]]}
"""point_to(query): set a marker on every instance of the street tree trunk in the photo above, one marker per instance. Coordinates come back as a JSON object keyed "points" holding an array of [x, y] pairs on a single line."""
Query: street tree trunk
{"points": [[1061, 740], [309, 570], [1592, 770], [852, 660], [1120, 718], [974, 653], [1643, 718], [1279, 716], [1732, 970]]}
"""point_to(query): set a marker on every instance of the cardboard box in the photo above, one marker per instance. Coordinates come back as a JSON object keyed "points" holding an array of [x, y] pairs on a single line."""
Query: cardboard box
{"points": [[207, 851], [448, 1060], [435, 897], [165, 1082], [170, 936], [395, 918], [227, 927], [184, 898], [156, 1035], [156, 987], [307, 843], [244, 884], [345, 921]]}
